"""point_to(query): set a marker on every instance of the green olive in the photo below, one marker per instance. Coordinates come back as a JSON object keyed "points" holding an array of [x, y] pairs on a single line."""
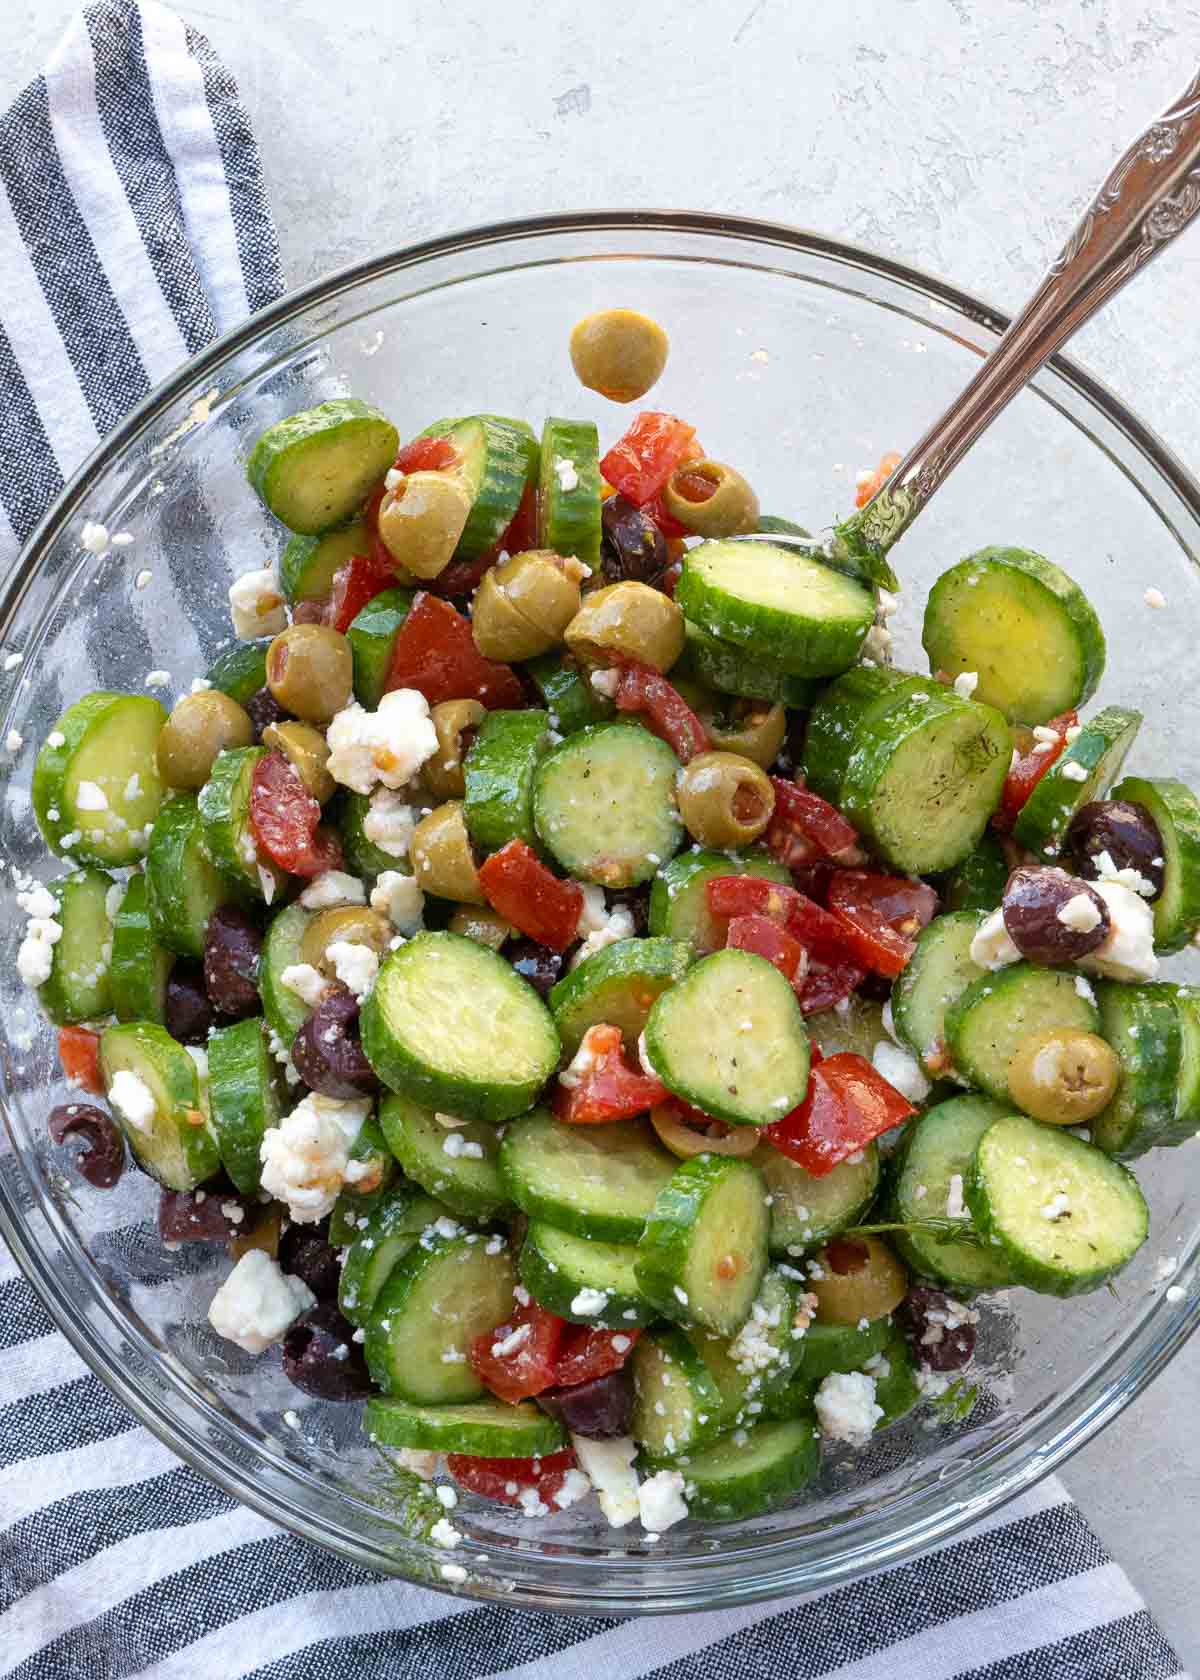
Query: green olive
{"points": [[453, 719], [441, 854], [482, 924], [685, 1140], [726, 801], [201, 726], [310, 671], [523, 604], [421, 520], [354, 925], [305, 749], [751, 728], [1063, 1076], [862, 1279], [619, 352], [711, 499], [627, 620]]}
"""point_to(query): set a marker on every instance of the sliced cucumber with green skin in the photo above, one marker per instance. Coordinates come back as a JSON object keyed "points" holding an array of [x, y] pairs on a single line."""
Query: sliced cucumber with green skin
{"points": [[749, 1473], [702, 1255], [363, 856], [617, 985], [141, 965], [1144, 1027], [389, 1233], [939, 1146], [176, 1146], [856, 1026], [676, 1399], [286, 1012], [793, 1400], [314, 469], [596, 1181], [1098, 751], [802, 616], [841, 1347], [481, 1428], [376, 1171], [183, 886], [729, 1038], [372, 637], [746, 1372], [108, 743], [807, 1211], [494, 463], [241, 670], [498, 772], [936, 975], [843, 707], [570, 700], [679, 903], [731, 670], [438, 1297], [1067, 1216], [1187, 1096], [1176, 813], [483, 1052], [1002, 599], [308, 564], [80, 983], [988, 1023], [224, 806], [558, 1268], [468, 1183], [604, 804], [896, 1386], [772, 525], [979, 881], [569, 497], [244, 1098]]}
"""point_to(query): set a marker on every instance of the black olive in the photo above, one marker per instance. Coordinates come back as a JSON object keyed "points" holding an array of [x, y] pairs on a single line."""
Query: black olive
{"points": [[1125, 831], [327, 1053], [101, 1161], [189, 1014], [305, 1252], [633, 549], [922, 1316], [536, 963], [208, 1214], [263, 709], [1053, 917], [232, 945], [321, 1356]]}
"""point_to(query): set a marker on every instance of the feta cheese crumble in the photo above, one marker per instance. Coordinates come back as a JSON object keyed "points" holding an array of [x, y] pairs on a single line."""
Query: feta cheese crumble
{"points": [[900, 1069], [1128, 949], [966, 683], [568, 478], [388, 745], [257, 606], [307, 982], [90, 796], [389, 822], [1079, 913], [1106, 870], [599, 926], [589, 1302], [400, 899], [331, 889], [608, 1465], [660, 1500], [457, 1146], [955, 1207], [1058, 1207], [606, 682], [133, 1100], [1154, 598], [1072, 771], [304, 1157], [846, 1407], [355, 965], [991, 947], [257, 1302], [35, 956]]}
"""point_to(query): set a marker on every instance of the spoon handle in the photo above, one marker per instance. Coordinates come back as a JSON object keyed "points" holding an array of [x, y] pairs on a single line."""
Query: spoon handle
{"points": [[1150, 196]]}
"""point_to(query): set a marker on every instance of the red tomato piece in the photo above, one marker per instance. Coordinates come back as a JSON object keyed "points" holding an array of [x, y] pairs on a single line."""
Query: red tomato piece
{"points": [[666, 522], [641, 462], [847, 1106], [79, 1053], [585, 1354], [606, 1087], [881, 915], [821, 934], [765, 938], [519, 1357], [1029, 769], [517, 883], [427, 454], [505, 1479], [522, 532], [643, 689], [827, 983], [806, 826], [354, 584], [669, 581], [285, 819], [435, 653], [869, 483]]}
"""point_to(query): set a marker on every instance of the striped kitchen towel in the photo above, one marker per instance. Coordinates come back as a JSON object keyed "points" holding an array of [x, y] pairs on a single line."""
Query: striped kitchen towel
{"points": [[133, 227]]}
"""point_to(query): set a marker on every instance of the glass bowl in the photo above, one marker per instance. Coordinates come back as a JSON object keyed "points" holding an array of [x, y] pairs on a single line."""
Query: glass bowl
{"points": [[801, 359]]}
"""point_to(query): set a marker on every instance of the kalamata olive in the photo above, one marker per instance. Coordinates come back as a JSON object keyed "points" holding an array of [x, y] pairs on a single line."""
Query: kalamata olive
{"points": [[101, 1161], [231, 948], [1053, 917], [599, 1409], [940, 1331], [263, 710], [305, 1252], [321, 1356], [535, 963], [327, 1053], [204, 1215], [1122, 829], [189, 1013], [637, 901], [633, 548]]}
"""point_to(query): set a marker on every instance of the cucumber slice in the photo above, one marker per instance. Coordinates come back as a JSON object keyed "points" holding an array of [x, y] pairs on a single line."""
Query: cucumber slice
{"points": [[703, 1253], [372, 637], [241, 670], [451, 1025], [802, 616], [182, 886], [1176, 812], [80, 984], [676, 1399], [770, 524], [307, 565], [389, 1233], [141, 965], [679, 904], [1067, 1216], [498, 772], [433, 1157], [979, 881], [439, 1296], [596, 1181], [569, 490], [482, 1428], [224, 807], [570, 700], [1099, 751], [937, 974], [558, 1268], [314, 469], [843, 708], [761, 1359], [106, 751], [750, 1472], [286, 1013], [1187, 1096], [244, 1098], [363, 856], [938, 1147], [856, 1026], [807, 1211], [828, 1348], [896, 1386], [175, 1145], [729, 1038], [617, 985], [604, 804], [986, 1025], [1001, 600], [1144, 1026], [496, 462], [731, 670], [376, 1171]]}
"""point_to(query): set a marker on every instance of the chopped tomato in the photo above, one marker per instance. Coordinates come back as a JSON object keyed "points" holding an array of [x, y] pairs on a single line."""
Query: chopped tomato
{"points": [[505, 1479], [765, 938], [354, 584], [585, 1354], [820, 933], [79, 1053], [1029, 769], [600, 1085], [882, 916], [517, 883], [519, 1357], [643, 689], [522, 531], [427, 454], [805, 826], [847, 1106], [435, 653], [285, 819], [641, 462], [827, 983], [869, 482], [669, 581], [666, 522]]}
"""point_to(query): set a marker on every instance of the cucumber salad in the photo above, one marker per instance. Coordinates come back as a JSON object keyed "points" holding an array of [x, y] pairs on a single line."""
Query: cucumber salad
{"points": [[621, 1026]]}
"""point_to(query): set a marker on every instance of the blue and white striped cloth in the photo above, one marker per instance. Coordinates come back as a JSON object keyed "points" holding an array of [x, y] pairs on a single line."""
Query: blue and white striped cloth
{"points": [[133, 226]]}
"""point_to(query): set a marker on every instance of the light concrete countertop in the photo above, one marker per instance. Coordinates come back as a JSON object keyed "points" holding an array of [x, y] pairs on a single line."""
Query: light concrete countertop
{"points": [[960, 135]]}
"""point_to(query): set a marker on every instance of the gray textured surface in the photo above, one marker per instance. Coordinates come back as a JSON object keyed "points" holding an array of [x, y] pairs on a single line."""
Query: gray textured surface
{"points": [[962, 135]]}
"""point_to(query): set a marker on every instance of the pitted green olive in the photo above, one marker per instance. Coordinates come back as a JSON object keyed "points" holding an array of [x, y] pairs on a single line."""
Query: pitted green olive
{"points": [[353, 924], [482, 924], [627, 620], [443, 772], [619, 352], [441, 854], [310, 671], [725, 801], [1063, 1076], [524, 604], [862, 1279], [421, 520], [305, 749], [751, 728], [201, 726], [711, 499]]}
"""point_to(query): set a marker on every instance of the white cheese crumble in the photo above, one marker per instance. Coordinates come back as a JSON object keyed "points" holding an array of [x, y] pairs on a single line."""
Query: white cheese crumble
{"points": [[991, 947], [158, 679], [56, 738], [307, 982], [443, 1533], [1072, 771], [257, 1302], [90, 796], [955, 1207], [35, 956], [1079, 913], [846, 1407], [581, 1063], [660, 1500], [389, 822], [1175, 1293], [1057, 1207], [1084, 990], [589, 1302], [304, 1157], [1154, 598], [452, 1572], [900, 1070], [422, 1464], [599, 926], [568, 478], [355, 965], [1127, 952], [133, 1099], [388, 745], [257, 606], [514, 1340], [966, 683], [609, 1467], [575, 1486], [456, 1145], [94, 537], [400, 899], [1106, 870], [331, 889], [606, 682]]}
